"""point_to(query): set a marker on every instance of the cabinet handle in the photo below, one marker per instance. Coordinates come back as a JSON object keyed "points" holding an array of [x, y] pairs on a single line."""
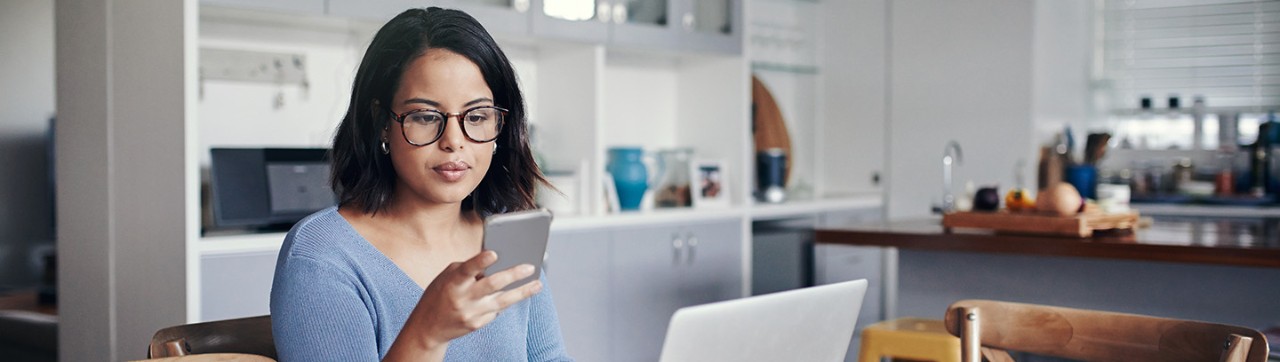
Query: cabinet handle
{"points": [[521, 6], [688, 21], [619, 14], [677, 248], [602, 11], [693, 247]]}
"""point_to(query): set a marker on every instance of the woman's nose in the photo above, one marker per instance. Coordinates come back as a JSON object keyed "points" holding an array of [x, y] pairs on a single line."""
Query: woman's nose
{"points": [[453, 137]]}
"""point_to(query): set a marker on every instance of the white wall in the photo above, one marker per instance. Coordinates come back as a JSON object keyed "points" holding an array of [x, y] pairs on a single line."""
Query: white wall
{"points": [[126, 173], [26, 103], [1062, 69], [958, 71]]}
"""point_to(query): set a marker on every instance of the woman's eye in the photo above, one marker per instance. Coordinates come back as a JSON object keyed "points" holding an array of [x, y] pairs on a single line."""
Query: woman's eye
{"points": [[477, 117], [425, 117]]}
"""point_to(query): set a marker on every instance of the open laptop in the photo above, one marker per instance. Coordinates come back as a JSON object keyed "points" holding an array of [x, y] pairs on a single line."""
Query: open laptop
{"points": [[810, 324]]}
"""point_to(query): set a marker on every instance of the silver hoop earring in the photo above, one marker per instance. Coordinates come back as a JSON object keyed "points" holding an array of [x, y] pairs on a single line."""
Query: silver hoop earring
{"points": [[385, 150]]}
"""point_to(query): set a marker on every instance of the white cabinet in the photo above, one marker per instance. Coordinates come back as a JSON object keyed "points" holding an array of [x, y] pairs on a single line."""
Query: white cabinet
{"points": [[577, 269], [236, 285], [658, 270], [616, 288]]}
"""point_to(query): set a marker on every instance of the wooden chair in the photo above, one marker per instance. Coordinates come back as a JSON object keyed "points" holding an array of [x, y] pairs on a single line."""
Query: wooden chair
{"points": [[987, 328], [245, 335]]}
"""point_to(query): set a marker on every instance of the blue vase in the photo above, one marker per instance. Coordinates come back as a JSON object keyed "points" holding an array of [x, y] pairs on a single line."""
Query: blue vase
{"points": [[630, 176]]}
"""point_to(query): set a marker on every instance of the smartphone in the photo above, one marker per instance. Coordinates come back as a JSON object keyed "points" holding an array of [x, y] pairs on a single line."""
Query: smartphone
{"points": [[518, 238]]}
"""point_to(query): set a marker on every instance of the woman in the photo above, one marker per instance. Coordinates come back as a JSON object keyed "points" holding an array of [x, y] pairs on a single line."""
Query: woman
{"points": [[433, 141]]}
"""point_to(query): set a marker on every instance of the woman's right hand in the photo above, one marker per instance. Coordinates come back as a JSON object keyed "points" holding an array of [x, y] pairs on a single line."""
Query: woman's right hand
{"points": [[462, 299]]}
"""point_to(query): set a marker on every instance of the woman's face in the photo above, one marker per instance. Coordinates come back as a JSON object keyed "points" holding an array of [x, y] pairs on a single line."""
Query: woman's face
{"points": [[447, 170]]}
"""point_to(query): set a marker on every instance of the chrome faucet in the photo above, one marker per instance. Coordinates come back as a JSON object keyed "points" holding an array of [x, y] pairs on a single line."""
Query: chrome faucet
{"points": [[950, 157]]}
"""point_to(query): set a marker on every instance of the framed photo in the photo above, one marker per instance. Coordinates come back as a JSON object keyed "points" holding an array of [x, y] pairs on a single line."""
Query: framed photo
{"points": [[710, 189]]}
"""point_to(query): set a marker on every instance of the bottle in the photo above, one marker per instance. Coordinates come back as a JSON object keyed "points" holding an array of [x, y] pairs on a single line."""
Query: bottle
{"points": [[1197, 116]]}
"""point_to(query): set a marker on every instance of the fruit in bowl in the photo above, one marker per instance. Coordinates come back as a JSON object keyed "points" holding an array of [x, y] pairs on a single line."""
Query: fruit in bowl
{"points": [[1019, 200], [1061, 199], [986, 199]]}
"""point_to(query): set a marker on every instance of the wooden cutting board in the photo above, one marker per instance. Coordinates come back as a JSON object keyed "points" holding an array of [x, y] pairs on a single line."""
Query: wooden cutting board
{"points": [[1081, 226], [769, 129]]}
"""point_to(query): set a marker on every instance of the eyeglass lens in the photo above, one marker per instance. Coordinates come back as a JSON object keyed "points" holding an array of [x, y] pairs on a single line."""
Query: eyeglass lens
{"points": [[479, 125]]}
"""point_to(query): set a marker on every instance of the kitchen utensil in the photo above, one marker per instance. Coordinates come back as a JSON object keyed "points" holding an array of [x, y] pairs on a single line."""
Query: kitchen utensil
{"points": [[768, 126], [770, 171]]}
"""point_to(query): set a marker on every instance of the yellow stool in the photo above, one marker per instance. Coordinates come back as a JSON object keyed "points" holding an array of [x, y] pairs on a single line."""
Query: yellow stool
{"points": [[910, 338]]}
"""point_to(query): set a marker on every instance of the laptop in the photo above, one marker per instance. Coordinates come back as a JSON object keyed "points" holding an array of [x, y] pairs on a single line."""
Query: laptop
{"points": [[810, 324]]}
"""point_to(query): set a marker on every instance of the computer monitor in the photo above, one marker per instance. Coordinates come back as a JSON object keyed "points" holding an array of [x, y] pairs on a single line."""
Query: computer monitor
{"points": [[269, 188]]}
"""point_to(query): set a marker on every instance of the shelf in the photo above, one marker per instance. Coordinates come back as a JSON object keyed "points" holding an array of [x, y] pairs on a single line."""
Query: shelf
{"points": [[762, 212], [644, 218], [239, 243], [784, 68], [1207, 210]]}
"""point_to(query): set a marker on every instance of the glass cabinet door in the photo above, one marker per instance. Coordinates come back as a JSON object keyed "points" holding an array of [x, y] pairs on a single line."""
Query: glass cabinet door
{"points": [[712, 25], [579, 20], [499, 17], [644, 24]]}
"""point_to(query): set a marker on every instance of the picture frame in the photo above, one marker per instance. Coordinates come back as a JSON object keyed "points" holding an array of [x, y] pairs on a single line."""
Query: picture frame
{"points": [[710, 187], [610, 197]]}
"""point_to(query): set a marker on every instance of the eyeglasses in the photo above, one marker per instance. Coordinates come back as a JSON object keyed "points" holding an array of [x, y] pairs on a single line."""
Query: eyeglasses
{"points": [[422, 127]]}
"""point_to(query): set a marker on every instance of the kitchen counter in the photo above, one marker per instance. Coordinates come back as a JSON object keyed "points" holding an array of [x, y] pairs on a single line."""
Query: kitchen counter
{"points": [[1217, 269], [1251, 242]]}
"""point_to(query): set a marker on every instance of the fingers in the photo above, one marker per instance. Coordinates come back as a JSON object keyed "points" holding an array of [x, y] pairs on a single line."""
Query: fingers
{"points": [[475, 266], [507, 298], [499, 280]]}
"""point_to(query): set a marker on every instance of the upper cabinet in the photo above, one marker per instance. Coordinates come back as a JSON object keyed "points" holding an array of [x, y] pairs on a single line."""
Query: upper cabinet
{"points": [[711, 25], [308, 7], [508, 17]]}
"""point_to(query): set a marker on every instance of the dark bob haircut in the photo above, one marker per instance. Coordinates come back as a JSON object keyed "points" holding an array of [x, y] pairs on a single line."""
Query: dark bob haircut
{"points": [[363, 176]]}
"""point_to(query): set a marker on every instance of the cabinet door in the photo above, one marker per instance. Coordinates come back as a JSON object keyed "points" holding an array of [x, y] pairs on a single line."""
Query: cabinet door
{"points": [[577, 270], [310, 7], [648, 268], [499, 17], [838, 263], [644, 24], [714, 272], [236, 285], [578, 20], [711, 25]]}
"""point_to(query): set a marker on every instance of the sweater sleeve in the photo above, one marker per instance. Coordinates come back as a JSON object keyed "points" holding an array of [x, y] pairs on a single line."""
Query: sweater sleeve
{"points": [[544, 339], [318, 313]]}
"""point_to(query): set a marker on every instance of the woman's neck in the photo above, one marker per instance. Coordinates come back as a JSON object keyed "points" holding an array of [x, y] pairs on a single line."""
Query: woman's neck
{"points": [[433, 223]]}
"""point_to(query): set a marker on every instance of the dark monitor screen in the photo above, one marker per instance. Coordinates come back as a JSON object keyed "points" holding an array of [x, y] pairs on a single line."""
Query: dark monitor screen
{"points": [[268, 187]]}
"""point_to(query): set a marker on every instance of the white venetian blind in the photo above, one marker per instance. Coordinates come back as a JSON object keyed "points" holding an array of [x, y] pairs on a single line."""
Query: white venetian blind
{"points": [[1227, 51]]}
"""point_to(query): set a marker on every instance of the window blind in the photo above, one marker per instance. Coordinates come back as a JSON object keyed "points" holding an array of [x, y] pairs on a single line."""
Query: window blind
{"points": [[1227, 51]]}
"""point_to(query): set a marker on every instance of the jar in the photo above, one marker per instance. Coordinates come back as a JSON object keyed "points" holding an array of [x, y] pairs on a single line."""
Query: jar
{"points": [[630, 176], [673, 183]]}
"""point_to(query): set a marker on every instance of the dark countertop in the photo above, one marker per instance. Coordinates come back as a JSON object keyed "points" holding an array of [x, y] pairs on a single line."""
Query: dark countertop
{"points": [[1253, 242]]}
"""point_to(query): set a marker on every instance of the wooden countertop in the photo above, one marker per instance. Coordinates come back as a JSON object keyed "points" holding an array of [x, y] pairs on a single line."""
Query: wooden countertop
{"points": [[1253, 242]]}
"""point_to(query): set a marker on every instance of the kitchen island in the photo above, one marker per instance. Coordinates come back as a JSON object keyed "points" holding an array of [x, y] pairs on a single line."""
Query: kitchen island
{"points": [[1224, 270]]}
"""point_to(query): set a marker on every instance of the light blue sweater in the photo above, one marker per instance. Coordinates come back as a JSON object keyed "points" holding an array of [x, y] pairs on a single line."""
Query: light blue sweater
{"points": [[337, 298]]}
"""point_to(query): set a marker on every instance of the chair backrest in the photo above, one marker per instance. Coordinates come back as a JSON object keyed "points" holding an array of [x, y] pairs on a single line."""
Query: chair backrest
{"points": [[1092, 335], [245, 335]]}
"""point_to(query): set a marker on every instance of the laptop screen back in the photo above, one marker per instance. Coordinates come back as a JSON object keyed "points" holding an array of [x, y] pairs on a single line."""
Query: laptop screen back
{"points": [[810, 324]]}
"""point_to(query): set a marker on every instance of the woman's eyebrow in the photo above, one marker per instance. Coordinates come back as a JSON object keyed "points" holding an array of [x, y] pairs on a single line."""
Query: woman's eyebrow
{"points": [[423, 101], [477, 101], [437, 104]]}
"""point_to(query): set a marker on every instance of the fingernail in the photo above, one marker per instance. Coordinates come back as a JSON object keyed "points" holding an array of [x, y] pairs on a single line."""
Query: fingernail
{"points": [[526, 269], [493, 255]]}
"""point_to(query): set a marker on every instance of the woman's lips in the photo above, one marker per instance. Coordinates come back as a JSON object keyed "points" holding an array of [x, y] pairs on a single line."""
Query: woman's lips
{"points": [[452, 171]]}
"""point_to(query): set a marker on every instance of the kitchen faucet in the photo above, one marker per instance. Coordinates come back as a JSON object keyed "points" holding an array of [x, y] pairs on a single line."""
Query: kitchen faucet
{"points": [[950, 157]]}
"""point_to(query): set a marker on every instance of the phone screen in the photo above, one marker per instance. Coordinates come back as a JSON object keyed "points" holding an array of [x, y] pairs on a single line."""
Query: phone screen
{"points": [[518, 238]]}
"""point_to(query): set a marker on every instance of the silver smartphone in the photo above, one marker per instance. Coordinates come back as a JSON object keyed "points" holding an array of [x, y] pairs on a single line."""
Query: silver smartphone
{"points": [[518, 238]]}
